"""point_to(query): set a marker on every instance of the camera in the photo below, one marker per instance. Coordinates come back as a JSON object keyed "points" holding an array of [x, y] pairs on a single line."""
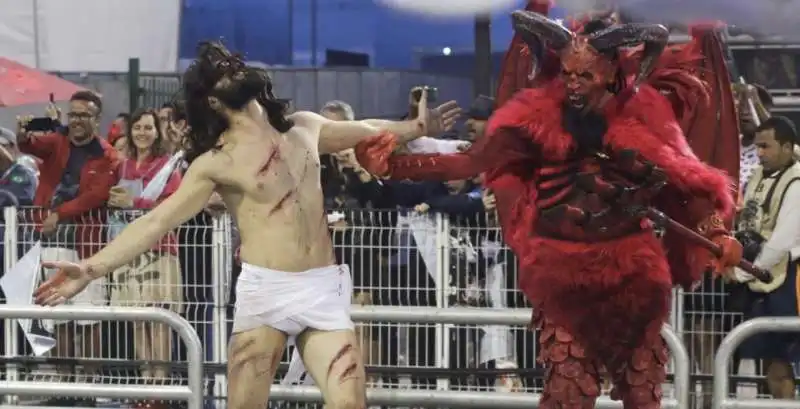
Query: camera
{"points": [[751, 244], [41, 124]]}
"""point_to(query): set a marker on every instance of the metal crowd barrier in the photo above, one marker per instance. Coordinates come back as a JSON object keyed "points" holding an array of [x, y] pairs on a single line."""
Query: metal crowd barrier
{"points": [[459, 399], [725, 353], [193, 393], [371, 232]]}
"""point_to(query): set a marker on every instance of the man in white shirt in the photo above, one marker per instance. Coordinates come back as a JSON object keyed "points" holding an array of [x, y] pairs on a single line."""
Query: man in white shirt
{"points": [[762, 102], [771, 212]]}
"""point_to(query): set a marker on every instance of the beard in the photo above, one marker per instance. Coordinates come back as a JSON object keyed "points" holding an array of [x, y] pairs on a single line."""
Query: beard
{"points": [[587, 128], [240, 92]]}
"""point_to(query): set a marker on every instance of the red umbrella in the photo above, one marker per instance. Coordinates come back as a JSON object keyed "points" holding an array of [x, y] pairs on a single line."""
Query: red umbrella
{"points": [[22, 85]]}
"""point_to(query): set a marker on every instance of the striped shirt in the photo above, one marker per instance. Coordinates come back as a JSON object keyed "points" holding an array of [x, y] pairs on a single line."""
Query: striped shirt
{"points": [[747, 164]]}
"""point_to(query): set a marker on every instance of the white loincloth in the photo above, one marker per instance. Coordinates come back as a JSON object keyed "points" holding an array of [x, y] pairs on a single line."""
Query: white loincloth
{"points": [[293, 302]]}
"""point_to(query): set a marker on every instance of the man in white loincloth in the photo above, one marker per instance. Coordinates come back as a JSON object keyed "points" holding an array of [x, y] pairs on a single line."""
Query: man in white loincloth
{"points": [[265, 165]]}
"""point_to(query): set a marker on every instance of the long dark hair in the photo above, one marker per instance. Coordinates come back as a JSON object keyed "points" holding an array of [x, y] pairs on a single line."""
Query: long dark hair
{"points": [[206, 124], [158, 148], [276, 109]]}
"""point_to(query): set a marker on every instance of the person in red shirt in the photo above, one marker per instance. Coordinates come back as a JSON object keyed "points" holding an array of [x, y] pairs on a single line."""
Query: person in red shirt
{"points": [[154, 278], [75, 175], [117, 133]]}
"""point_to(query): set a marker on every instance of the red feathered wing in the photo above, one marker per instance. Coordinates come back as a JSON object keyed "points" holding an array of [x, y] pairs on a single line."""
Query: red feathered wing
{"points": [[696, 80], [713, 133], [518, 63], [513, 195]]}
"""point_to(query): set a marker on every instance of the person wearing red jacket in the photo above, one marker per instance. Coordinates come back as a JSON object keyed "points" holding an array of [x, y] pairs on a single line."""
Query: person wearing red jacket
{"points": [[75, 176], [574, 164], [154, 278]]}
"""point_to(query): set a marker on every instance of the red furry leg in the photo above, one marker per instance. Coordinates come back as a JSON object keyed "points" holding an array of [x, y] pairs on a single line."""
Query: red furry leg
{"points": [[571, 381], [637, 382]]}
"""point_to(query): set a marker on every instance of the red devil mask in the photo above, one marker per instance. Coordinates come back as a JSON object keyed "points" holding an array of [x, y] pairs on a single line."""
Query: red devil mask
{"points": [[589, 63]]}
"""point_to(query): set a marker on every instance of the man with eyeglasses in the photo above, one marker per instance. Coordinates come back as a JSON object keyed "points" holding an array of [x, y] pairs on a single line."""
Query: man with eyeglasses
{"points": [[76, 175]]}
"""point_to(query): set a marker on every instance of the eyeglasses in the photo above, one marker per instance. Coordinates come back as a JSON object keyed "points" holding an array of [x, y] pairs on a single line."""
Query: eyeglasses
{"points": [[80, 115]]}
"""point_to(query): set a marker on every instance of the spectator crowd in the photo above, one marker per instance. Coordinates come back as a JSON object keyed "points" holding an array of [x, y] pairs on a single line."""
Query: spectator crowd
{"points": [[75, 189]]}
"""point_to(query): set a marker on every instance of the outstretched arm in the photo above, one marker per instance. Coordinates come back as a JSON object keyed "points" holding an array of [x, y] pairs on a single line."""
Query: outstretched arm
{"points": [[497, 151], [697, 195], [684, 171], [146, 231], [649, 127], [335, 136]]}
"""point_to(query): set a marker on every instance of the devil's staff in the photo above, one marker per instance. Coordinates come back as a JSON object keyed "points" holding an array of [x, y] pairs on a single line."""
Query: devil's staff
{"points": [[653, 181], [660, 219]]}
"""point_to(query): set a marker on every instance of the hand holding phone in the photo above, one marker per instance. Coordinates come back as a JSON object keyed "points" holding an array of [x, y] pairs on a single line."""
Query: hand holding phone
{"points": [[41, 124], [52, 111]]}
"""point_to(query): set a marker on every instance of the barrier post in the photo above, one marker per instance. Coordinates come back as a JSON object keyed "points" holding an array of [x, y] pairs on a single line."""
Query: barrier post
{"points": [[193, 393], [11, 239], [134, 88], [725, 352], [221, 282]]}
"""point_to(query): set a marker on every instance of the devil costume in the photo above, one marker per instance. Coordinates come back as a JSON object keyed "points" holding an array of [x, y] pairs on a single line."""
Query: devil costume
{"points": [[572, 162]]}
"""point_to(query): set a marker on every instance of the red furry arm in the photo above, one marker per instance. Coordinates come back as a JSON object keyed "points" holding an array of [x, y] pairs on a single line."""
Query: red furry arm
{"points": [[696, 195], [492, 151], [684, 171], [514, 195], [517, 66], [435, 166], [648, 126]]}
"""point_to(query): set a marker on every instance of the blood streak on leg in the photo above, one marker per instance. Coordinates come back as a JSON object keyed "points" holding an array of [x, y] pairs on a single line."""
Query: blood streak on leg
{"points": [[351, 368]]}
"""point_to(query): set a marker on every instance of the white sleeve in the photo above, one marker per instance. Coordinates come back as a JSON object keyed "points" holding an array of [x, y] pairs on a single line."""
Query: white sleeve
{"points": [[786, 235], [427, 144]]}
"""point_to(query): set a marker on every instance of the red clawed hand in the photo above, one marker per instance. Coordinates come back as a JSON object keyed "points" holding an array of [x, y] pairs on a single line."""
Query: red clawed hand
{"points": [[731, 254], [373, 153]]}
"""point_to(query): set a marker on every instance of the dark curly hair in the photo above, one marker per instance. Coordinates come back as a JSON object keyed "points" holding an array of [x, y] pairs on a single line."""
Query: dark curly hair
{"points": [[213, 62]]}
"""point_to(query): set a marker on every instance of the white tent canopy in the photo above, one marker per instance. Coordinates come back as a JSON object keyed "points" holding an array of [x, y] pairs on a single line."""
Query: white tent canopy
{"points": [[91, 35]]}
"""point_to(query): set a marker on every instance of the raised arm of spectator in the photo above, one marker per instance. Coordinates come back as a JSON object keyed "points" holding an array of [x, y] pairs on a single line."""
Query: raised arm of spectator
{"points": [[40, 146], [172, 185], [95, 184]]}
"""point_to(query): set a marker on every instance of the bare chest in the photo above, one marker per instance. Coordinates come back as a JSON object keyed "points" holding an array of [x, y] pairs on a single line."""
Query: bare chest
{"points": [[273, 172]]}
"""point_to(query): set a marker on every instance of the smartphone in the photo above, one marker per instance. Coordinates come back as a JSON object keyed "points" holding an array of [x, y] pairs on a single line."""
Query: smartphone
{"points": [[41, 124], [432, 93]]}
